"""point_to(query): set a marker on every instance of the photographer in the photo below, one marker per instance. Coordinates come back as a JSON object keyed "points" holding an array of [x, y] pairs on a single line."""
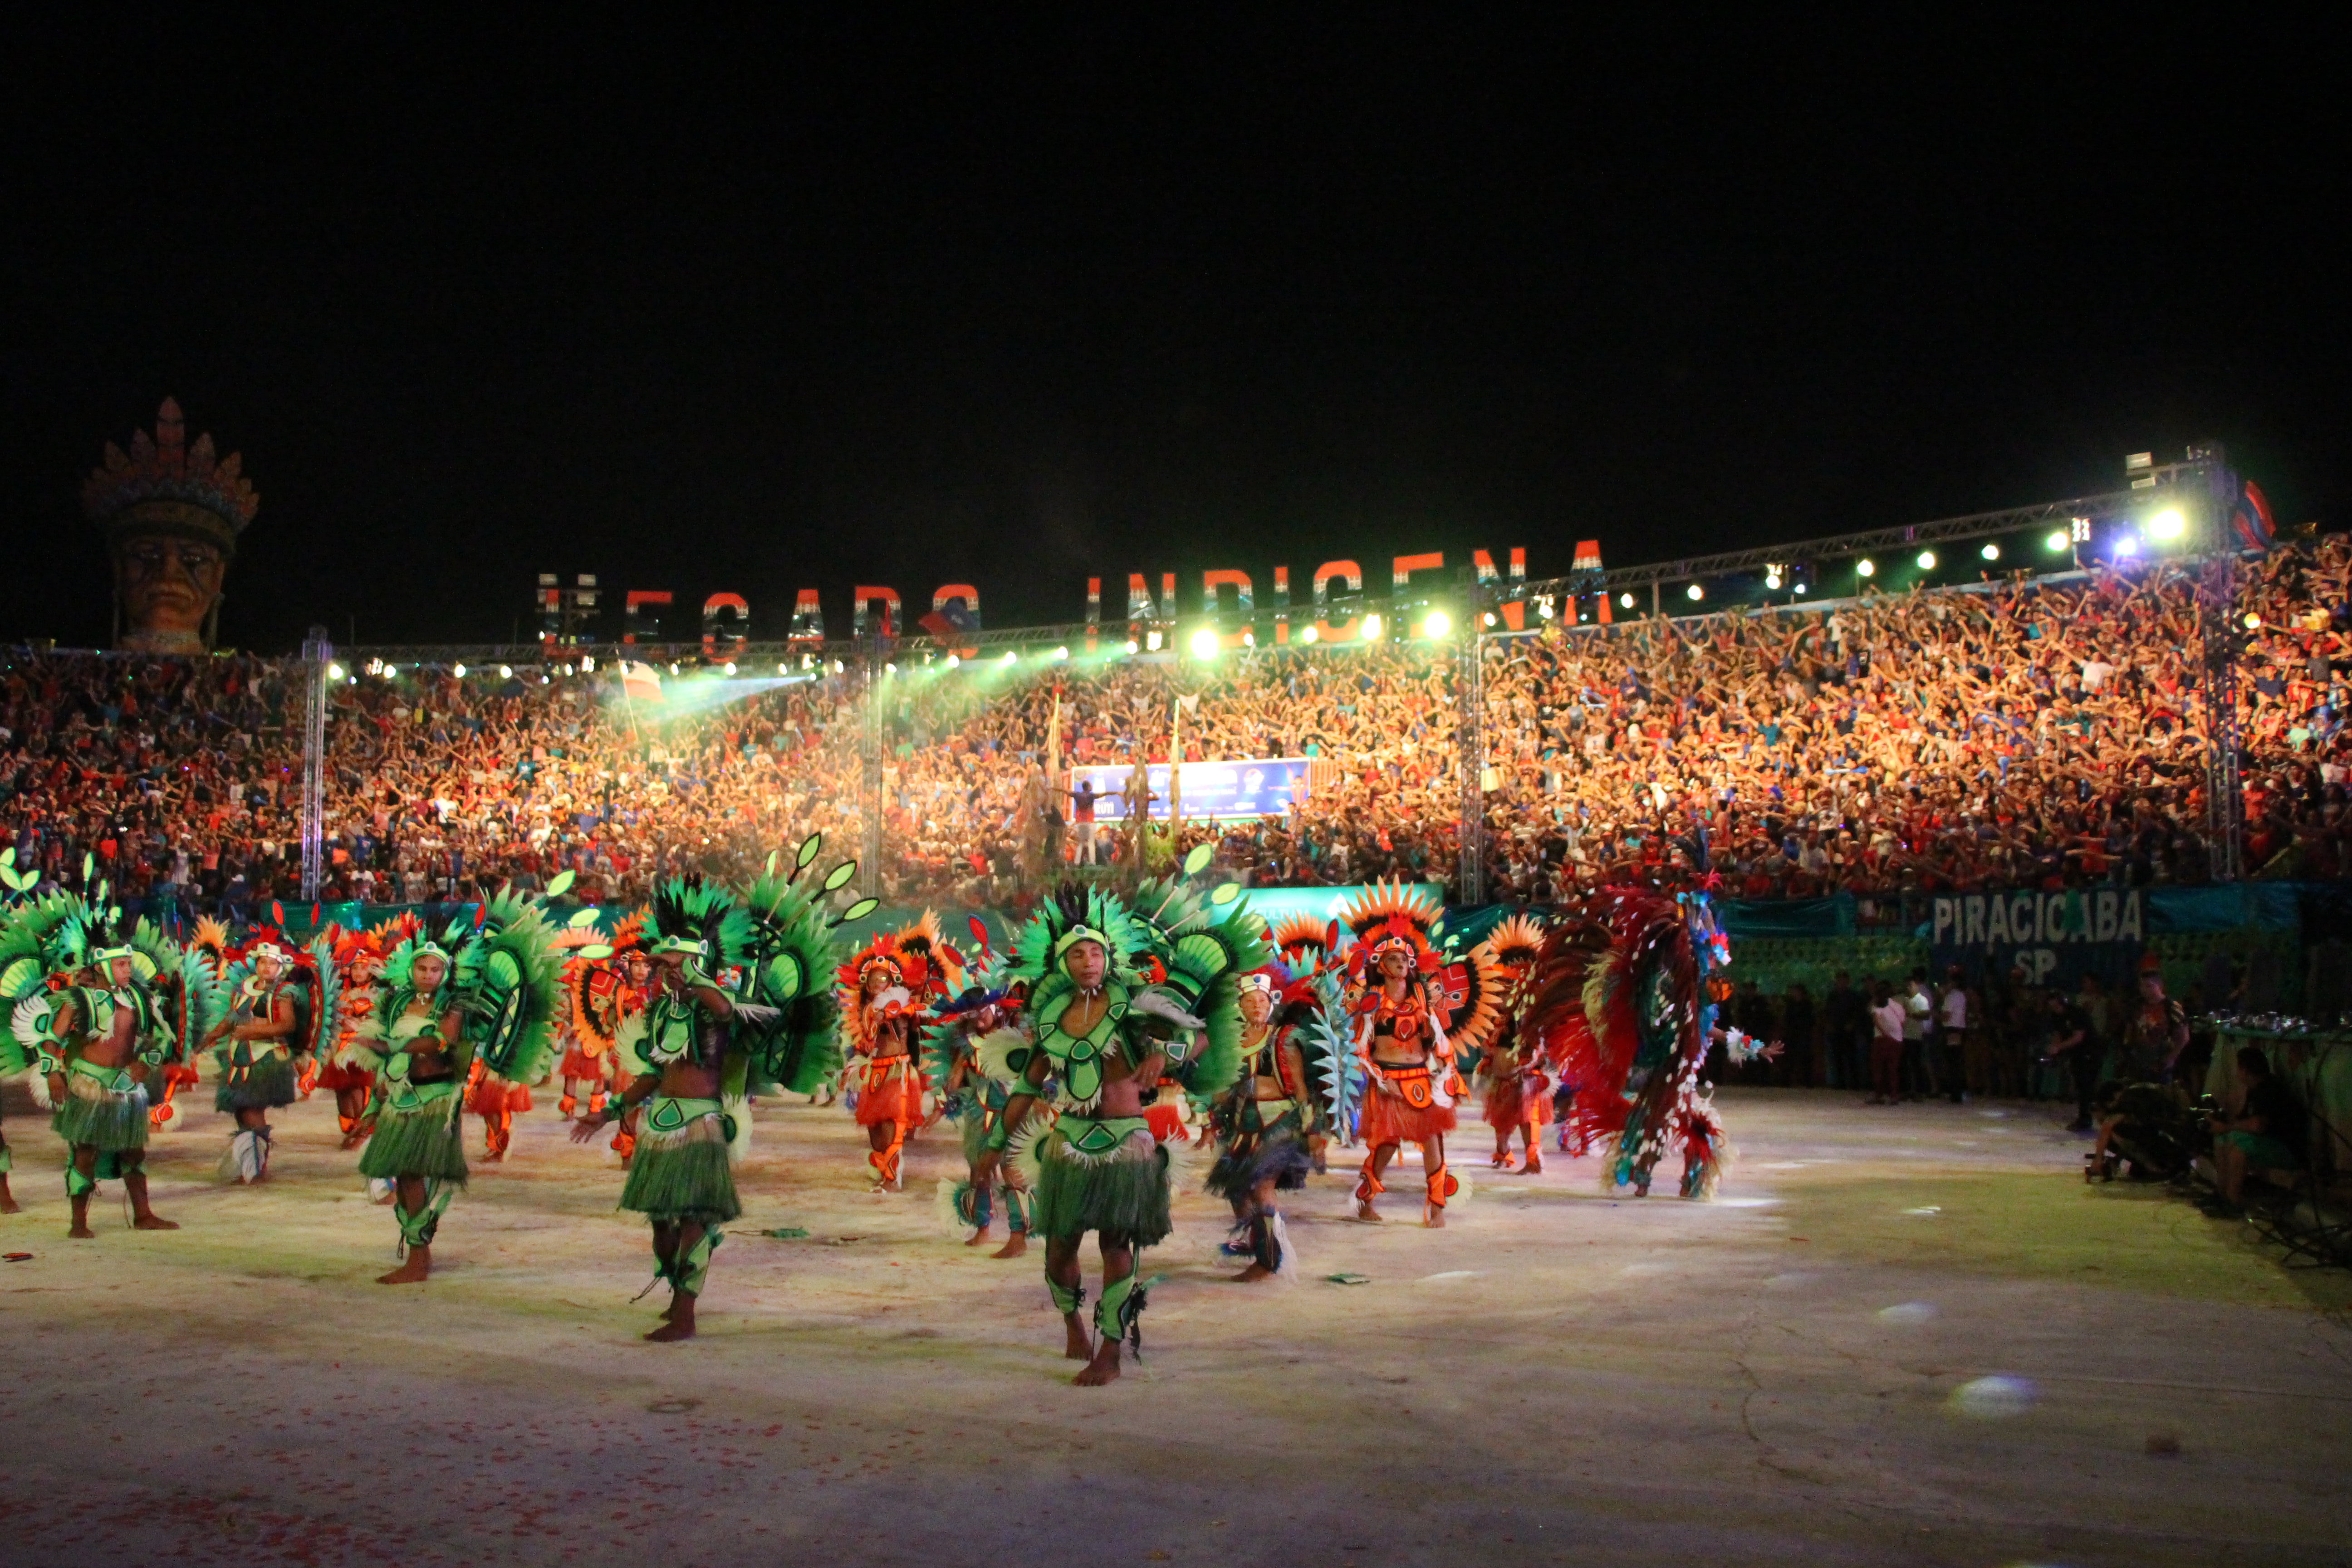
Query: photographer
{"points": [[2267, 1134]]}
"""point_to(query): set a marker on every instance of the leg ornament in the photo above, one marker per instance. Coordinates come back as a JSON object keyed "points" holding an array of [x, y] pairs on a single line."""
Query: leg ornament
{"points": [[1442, 1184], [1067, 1299], [1370, 1186], [416, 1229], [77, 1184], [689, 1270], [1119, 1315]]}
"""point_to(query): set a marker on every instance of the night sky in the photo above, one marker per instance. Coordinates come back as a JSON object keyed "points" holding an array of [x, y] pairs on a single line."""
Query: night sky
{"points": [[1017, 302]]}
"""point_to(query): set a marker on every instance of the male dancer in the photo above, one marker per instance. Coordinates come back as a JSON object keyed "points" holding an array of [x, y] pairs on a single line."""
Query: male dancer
{"points": [[1103, 1171], [257, 1069], [679, 1176], [1263, 1124], [104, 1035]]}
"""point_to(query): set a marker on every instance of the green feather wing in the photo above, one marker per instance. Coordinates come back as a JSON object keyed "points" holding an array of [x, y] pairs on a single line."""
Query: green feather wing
{"points": [[788, 953], [512, 973]]}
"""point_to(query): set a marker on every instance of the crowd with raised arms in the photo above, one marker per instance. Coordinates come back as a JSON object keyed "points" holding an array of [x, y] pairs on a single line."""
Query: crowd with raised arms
{"points": [[2024, 731]]}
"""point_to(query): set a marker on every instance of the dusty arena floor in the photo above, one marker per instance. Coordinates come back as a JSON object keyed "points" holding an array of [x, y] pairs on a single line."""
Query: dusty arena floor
{"points": [[1906, 1336]]}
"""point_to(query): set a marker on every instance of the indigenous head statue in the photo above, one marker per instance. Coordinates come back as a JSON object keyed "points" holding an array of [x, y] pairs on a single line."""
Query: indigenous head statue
{"points": [[171, 513]]}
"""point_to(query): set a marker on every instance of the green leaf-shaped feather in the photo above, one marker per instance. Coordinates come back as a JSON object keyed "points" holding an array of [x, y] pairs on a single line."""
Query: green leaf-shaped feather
{"points": [[1201, 855], [840, 874]]}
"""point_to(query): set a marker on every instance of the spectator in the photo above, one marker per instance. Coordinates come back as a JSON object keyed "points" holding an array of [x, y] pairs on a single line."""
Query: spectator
{"points": [[2268, 1132], [1888, 1019]]}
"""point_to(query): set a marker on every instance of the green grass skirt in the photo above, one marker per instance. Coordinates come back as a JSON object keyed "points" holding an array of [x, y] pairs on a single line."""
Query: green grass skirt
{"points": [[688, 1181], [427, 1141], [1123, 1198], [267, 1084], [109, 1125]]}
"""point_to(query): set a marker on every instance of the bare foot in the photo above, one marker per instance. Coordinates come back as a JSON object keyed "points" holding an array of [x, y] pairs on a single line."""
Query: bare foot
{"points": [[677, 1329], [1080, 1345], [81, 1233], [412, 1270], [1534, 1167], [1103, 1369], [1015, 1245], [9, 1205], [154, 1221], [978, 1238], [1253, 1274], [1435, 1219], [1364, 1211]]}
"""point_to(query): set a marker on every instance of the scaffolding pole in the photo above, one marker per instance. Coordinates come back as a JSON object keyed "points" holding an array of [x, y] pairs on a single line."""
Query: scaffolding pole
{"points": [[869, 787], [318, 653], [1470, 733], [2225, 801]]}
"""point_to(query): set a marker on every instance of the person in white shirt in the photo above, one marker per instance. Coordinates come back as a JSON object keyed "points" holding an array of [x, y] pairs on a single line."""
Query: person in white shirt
{"points": [[1919, 1024], [1952, 1015], [1888, 1017]]}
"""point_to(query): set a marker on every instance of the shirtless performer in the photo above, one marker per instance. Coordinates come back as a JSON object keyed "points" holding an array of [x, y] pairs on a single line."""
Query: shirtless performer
{"points": [[107, 1035], [1102, 1170], [679, 1176]]}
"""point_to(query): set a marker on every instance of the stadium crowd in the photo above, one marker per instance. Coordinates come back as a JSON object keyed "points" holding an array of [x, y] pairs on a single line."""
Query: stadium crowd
{"points": [[2018, 732]]}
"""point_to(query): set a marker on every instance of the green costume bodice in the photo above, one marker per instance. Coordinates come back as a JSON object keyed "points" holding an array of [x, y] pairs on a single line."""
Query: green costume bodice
{"points": [[1078, 1058], [94, 1010], [402, 1029]]}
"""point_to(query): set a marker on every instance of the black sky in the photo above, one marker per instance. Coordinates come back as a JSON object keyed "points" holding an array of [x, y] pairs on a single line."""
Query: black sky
{"points": [[1016, 301]]}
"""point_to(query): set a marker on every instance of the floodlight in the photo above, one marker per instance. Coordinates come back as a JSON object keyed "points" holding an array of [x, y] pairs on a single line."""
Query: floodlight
{"points": [[1625, 601], [2166, 524], [1009, 657], [1130, 645], [2058, 541], [1865, 567], [1488, 618], [1061, 653], [1151, 642], [335, 672], [506, 672], [730, 667], [1205, 643], [460, 672], [2128, 545], [1772, 578], [1439, 623], [1695, 592], [1926, 561], [2253, 622], [1991, 552], [954, 661], [1372, 628], [1307, 635]]}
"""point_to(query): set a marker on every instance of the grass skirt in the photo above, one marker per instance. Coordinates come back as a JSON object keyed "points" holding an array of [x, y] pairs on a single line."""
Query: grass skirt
{"points": [[267, 1084], [1510, 1106], [337, 1077], [1388, 1120], [893, 1096], [683, 1176], [1125, 1195], [1279, 1152], [975, 1134], [426, 1142], [109, 1123]]}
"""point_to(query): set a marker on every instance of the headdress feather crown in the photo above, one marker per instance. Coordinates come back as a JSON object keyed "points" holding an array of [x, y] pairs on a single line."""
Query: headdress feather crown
{"points": [[164, 484]]}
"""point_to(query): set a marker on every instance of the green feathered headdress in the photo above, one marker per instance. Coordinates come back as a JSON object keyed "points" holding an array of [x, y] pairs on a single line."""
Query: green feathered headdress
{"points": [[788, 956], [1205, 942], [32, 942], [512, 976]]}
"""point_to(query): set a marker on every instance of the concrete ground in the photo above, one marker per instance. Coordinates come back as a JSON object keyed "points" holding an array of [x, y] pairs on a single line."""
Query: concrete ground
{"points": [[1903, 1336]]}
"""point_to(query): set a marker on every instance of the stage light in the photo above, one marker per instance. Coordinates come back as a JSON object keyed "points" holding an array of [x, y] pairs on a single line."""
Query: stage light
{"points": [[954, 661], [2128, 545], [1772, 579], [2253, 622], [1695, 592], [587, 666], [1372, 628], [2057, 541], [783, 668], [335, 672], [673, 668], [1061, 653], [1926, 561], [1439, 623], [1488, 618], [1865, 567], [1151, 642], [1204, 644], [1130, 645], [1307, 635], [839, 667], [506, 672], [1801, 587], [2166, 524], [460, 672], [1991, 552], [1249, 638], [1543, 609], [1009, 657], [1624, 601], [889, 669], [730, 667]]}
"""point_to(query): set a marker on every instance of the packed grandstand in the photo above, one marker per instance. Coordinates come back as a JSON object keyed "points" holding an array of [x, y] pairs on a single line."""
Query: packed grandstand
{"points": [[2022, 731]]}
